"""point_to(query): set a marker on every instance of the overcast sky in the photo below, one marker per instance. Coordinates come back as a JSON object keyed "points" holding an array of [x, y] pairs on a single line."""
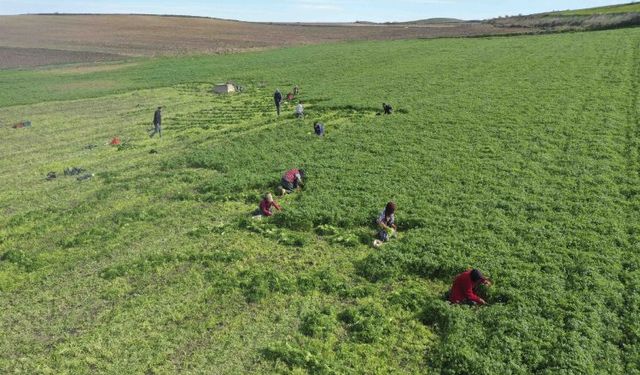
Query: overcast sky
{"points": [[305, 10]]}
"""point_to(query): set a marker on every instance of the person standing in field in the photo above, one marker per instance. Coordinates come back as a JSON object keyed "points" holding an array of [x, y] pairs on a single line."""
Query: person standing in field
{"points": [[157, 123], [463, 289], [299, 110], [266, 204], [292, 180], [387, 222], [296, 90], [277, 97]]}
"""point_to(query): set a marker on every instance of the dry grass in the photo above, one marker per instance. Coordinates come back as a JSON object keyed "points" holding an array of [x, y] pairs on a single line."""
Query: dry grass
{"points": [[90, 68], [561, 22]]}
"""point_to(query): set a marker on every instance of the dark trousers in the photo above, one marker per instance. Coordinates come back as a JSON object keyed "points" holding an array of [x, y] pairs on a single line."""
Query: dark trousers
{"points": [[278, 108], [289, 186], [157, 129]]}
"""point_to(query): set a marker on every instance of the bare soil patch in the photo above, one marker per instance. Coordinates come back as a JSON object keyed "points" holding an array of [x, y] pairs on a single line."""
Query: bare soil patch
{"points": [[30, 57], [90, 68], [141, 35]]}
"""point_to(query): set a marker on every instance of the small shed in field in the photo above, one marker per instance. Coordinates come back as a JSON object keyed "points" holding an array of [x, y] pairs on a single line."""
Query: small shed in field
{"points": [[224, 88]]}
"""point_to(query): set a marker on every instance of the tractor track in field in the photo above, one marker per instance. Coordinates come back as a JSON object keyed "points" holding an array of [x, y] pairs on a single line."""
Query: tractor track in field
{"points": [[631, 193]]}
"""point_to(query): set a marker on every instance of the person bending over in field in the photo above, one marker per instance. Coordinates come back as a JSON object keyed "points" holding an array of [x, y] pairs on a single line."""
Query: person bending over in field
{"points": [[292, 180], [299, 110], [157, 123], [464, 285], [277, 97], [318, 128], [266, 204], [387, 222], [387, 108]]}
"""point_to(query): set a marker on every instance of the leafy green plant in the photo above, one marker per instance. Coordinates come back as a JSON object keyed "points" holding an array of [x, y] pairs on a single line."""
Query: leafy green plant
{"points": [[366, 322], [318, 323]]}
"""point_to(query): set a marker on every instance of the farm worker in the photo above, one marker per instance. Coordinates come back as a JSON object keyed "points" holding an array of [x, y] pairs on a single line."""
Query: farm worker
{"points": [[463, 287], [277, 97], [299, 110], [387, 222], [266, 204], [290, 96], [296, 90], [318, 128], [292, 180], [157, 122], [387, 108]]}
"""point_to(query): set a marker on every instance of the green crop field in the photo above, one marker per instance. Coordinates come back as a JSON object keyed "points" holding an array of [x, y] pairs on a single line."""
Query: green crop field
{"points": [[518, 156], [613, 9]]}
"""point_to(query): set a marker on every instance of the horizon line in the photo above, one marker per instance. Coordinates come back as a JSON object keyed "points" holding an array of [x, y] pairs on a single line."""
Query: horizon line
{"points": [[456, 20]]}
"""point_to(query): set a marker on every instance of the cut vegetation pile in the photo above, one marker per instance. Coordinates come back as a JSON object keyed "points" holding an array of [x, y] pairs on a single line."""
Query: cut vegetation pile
{"points": [[518, 156]]}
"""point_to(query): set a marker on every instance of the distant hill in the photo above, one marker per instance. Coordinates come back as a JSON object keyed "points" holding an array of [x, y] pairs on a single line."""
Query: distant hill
{"points": [[424, 22], [428, 21], [601, 18], [611, 9]]}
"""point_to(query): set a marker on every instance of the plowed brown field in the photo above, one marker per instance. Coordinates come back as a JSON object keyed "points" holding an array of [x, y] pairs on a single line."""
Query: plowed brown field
{"points": [[141, 35]]}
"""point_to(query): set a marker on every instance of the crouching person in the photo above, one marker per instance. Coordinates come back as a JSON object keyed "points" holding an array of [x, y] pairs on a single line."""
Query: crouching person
{"points": [[291, 181], [387, 222], [299, 112], [266, 204], [464, 285], [318, 128]]}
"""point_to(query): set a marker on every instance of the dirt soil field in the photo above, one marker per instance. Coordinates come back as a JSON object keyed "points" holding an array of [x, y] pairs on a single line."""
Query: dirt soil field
{"points": [[31, 57], [140, 35]]}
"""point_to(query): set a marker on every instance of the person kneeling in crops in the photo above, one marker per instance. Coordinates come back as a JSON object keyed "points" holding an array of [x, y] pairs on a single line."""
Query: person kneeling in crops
{"points": [[318, 128], [292, 180], [266, 204], [387, 222], [387, 108], [464, 285]]}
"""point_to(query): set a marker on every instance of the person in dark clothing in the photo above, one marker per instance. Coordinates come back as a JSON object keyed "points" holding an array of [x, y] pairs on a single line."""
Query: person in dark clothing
{"points": [[462, 291], [387, 222], [387, 108], [296, 90], [157, 123], [277, 97], [318, 128]]}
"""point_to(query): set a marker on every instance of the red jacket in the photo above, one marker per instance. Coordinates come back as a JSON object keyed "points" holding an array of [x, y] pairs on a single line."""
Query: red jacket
{"points": [[291, 175], [265, 207], [462, 289]]}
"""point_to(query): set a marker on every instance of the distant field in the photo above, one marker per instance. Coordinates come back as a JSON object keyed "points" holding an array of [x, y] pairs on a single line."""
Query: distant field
{"points": [[30, 57], [518, 155], [614, 9], [155, 35]]}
